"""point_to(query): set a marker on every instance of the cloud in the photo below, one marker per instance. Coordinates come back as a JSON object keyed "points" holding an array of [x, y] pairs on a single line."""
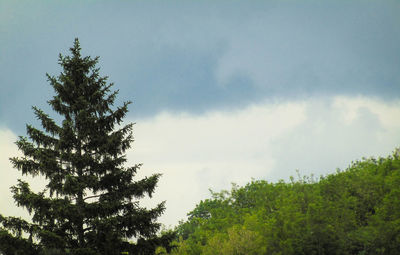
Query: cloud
{"points": [[9, 176], [199, 57], [262, 141], [195, 153], [331, 48], [337, 132]]}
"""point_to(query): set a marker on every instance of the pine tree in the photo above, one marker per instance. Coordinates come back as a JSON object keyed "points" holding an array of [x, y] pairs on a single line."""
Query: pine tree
{"points": [[90, 203]]}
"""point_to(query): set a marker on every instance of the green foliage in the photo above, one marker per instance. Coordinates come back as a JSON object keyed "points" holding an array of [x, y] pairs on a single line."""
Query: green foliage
{"points": [[11, 245], [90, 203], [356, 211]]}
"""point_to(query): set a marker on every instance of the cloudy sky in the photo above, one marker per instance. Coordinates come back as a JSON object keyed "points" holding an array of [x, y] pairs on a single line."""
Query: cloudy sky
{"points": [[222, 91]]}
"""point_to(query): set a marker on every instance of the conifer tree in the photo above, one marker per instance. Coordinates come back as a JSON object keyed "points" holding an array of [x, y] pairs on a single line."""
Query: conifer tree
{"points": [[91, 201]]}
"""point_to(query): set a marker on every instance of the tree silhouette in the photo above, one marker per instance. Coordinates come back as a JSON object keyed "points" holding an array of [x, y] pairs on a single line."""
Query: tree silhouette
{"points": [[90, 203]]}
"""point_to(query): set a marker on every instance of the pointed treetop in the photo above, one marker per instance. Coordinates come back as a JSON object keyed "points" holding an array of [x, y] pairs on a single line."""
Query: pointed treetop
{"points": [[76, 49]]}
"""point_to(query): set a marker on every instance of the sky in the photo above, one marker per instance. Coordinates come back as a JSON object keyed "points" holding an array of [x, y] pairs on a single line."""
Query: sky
{"points": [[223, 91]]}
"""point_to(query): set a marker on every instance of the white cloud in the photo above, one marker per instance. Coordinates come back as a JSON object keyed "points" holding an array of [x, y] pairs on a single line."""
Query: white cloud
{"points": [[387, 112], [196, 153], [264, 141], [8, 175], [269, 141], [337, 132]]}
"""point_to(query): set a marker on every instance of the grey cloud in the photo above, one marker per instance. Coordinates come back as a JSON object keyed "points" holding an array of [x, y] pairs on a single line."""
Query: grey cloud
{"points": [[312, 49], [196, 57]]}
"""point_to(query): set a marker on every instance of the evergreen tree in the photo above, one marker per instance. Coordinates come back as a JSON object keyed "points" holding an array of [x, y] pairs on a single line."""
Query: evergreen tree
{"points": [[90, 203]]}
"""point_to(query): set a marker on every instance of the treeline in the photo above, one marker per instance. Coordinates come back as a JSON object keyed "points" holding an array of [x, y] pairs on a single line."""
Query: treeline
{"points": [[356, 211]]}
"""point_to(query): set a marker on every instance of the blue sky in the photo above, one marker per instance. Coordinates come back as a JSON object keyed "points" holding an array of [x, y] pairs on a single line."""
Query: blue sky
{"points": [[223, 91]]}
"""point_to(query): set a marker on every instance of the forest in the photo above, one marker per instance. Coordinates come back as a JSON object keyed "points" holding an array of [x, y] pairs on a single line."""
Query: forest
{"points": [[355, 211]]}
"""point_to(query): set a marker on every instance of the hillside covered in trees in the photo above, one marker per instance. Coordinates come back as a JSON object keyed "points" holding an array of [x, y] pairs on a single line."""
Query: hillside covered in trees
{"points": [[356, 211]]}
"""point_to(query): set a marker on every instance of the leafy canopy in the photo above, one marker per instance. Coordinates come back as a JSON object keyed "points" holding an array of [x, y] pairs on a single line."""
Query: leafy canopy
{"points": [[356, 211]]}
